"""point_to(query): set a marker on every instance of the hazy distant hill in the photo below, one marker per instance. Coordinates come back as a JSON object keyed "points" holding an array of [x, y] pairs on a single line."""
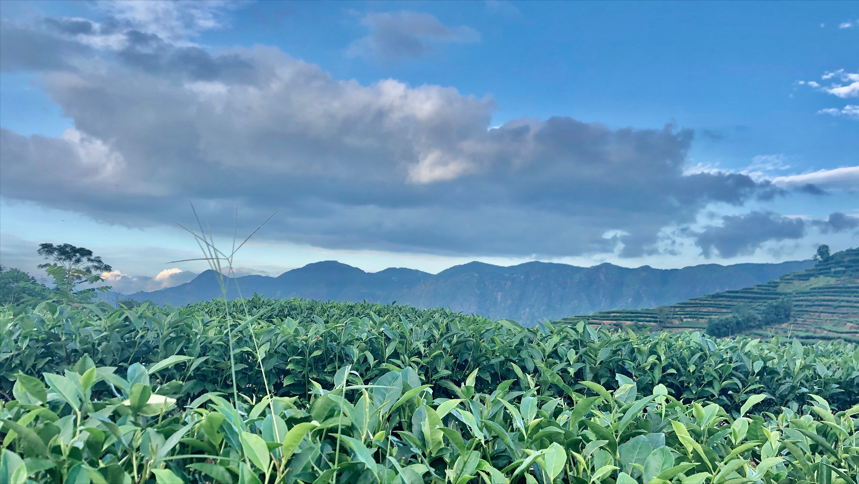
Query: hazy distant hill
{"points": [[825, 304], [526, 293]]}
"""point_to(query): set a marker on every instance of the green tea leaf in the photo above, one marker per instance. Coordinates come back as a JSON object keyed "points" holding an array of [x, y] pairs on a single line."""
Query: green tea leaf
{"points": [[555, 459], [295, 436], [34, 387], [173, 360], [12, 468], [166, 476], [751, 402], [696, 478], [28, 436], [634, 451], [625, 478], [256, 450], [65, 389], [361, 452], [659, 461]]}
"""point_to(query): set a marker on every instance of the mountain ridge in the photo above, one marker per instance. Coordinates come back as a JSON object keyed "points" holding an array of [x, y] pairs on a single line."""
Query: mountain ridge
{"points": [[527, 293], [825, 304]]}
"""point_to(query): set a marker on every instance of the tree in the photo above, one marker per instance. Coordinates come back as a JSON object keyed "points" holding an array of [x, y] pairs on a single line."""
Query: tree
{"points": [[72, 266], [17, 287], [822, 254]]}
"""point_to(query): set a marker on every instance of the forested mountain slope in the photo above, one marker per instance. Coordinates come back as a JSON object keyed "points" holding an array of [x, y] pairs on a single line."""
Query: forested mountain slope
{"points": [[526, 293]]}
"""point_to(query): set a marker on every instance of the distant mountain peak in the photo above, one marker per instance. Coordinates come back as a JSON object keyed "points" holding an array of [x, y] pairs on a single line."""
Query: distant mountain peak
{"points": [[527, 292]]}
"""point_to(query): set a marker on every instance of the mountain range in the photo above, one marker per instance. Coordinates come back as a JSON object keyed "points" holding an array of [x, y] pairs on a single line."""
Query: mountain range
{"points": [[526, 293], [825, 305]]}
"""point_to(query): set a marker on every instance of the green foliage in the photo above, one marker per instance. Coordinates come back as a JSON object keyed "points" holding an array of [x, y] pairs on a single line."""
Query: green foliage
{"points": [[745, 318], [18, 287], [97, 425], [822, 254], [303, 343], [72, 266]]}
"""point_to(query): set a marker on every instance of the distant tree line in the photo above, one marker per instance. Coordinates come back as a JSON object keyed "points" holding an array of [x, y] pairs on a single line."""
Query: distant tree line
{"points": [[744, 317]]}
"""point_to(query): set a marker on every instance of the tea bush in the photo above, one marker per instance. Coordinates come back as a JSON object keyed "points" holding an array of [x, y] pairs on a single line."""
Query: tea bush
{"points": [[397, 431], [369, 393], [298, 342]]}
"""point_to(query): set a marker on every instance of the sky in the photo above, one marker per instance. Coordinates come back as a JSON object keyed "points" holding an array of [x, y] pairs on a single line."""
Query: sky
{"points": [[427, 134]]}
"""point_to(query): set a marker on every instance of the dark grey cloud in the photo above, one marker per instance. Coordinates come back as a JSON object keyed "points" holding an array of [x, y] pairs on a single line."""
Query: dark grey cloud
{"points": [[24, 48], [148, 52], [811, 189], [743, 234], [837, 222], [406, 35], [386, 166]]}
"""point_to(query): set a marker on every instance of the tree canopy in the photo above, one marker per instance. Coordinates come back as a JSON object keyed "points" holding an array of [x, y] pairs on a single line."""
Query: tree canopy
{"points": [[72, 266], [822, 254]]}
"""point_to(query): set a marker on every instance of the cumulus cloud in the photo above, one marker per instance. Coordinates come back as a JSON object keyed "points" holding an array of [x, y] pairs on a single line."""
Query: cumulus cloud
{"points": [[384, 166], [849, 88], [744, 234], [837, 222], [127, 284], [406, 35]]}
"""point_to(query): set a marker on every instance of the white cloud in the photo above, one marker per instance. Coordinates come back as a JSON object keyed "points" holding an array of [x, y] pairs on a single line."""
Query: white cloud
{"points": [[166, 273], [128, 284], [175, 22], [849, 111], [844, 91], [707, 168], [845, 178], [843, 85], [762, 167], [845, 25], [841, 90]]}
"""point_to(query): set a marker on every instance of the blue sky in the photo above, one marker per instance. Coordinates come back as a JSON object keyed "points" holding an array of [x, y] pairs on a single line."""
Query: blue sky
{"points": [[427, 134]]}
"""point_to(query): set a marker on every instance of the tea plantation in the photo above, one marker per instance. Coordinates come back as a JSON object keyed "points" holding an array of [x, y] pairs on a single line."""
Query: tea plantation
{"points": [[825, 305], [299, 391]]}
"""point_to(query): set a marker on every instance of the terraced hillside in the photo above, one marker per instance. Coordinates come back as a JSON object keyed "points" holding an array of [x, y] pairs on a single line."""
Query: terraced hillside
{"points": [[825, 304]]}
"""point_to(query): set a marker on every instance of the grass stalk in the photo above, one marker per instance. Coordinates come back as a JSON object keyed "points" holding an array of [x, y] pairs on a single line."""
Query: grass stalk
{"points": [[213, 256]]}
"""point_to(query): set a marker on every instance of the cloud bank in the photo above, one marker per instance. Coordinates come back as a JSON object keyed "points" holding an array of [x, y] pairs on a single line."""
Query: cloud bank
{"points": [[388, 166]]}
